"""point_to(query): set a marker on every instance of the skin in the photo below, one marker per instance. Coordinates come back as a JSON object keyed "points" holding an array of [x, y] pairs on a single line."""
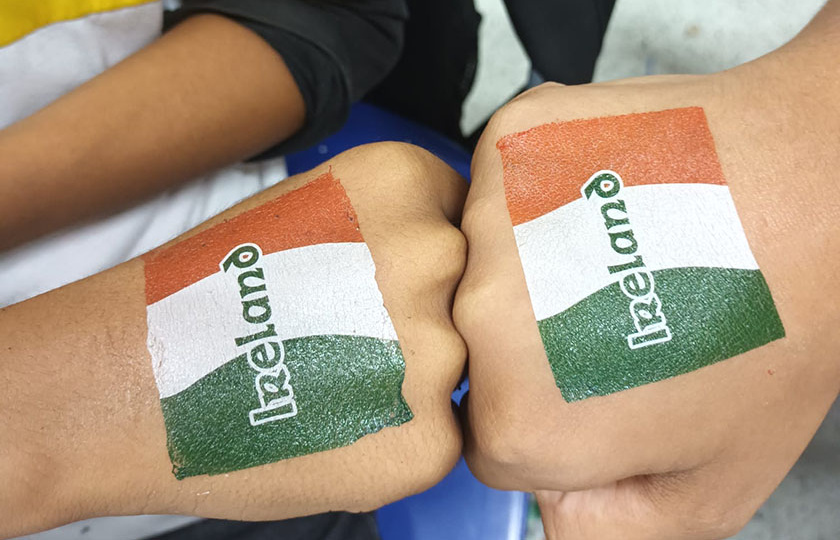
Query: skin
{"points": [[76, 160], [691, 457], [82, 432]]}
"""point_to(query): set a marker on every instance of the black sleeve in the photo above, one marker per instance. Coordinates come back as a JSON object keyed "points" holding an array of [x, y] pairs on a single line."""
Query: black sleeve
{"points": [[562, 37], [336, 50]]}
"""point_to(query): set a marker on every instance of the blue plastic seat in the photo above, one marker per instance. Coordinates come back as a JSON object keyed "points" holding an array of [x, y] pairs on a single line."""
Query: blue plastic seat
{"points": [[459, 507], [368, 124]]}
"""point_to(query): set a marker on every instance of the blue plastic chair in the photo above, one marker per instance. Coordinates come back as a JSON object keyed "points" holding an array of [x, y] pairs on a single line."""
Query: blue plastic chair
{"points": [[459, 507]]}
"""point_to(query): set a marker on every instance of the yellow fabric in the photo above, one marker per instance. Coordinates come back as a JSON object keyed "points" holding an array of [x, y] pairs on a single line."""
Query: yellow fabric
{"points": [[20, 17]]}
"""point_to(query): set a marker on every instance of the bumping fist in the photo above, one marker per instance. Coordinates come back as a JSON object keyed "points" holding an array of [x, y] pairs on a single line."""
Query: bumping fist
{"points": [[293, 355], [649, 300]]}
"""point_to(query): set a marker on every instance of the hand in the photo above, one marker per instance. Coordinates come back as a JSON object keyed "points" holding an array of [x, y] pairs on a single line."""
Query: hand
{"points": [[85, 432], [689, 455]]}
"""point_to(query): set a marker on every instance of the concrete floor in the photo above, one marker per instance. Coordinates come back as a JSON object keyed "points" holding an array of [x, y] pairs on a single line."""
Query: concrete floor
{"points": [[663, 36]]}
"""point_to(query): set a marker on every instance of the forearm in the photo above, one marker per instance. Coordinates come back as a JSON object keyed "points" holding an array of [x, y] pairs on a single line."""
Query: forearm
{"points": [[208, 93], [80, 397]]}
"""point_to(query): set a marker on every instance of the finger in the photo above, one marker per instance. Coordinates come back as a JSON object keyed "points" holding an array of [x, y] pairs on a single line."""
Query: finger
{"points": [[696, 505]]}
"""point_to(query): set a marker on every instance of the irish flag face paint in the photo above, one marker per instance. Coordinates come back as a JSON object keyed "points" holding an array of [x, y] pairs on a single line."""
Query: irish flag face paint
{"points": [[635, 259], [269, 338]]}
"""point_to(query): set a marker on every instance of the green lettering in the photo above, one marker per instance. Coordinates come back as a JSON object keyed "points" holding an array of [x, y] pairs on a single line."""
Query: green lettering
{"points": [[267, 333], [258, 303], [261, 359], [610, 221], [651, 336], [638, 262], [277, 399], [628, 246], [647, 311], [604, 184], [637, 284], [276, 410], [242, 257], [244, 288]]}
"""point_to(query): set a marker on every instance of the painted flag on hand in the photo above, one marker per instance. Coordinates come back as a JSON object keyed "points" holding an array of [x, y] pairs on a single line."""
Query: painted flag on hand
{"points": [[636, 262], [269, 338]]}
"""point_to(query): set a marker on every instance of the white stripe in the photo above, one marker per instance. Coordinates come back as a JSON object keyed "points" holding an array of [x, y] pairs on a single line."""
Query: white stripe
{"points": [[315, 290], [565, 253]]}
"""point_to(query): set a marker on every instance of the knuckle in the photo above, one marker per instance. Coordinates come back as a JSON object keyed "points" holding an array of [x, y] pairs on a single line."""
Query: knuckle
{"points": [[386, 150], [500, 445], [470, 309], [541, 90], [522, 109], [479, 211], [404, 182], [440, 256], [389, 165], [451, 255], [404, 164], [715, 520], [480, 307], [503, 445]]}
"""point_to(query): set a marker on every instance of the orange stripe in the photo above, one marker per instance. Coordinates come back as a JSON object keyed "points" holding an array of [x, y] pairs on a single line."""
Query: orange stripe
{"points": [[316, 213], [545, 167]]}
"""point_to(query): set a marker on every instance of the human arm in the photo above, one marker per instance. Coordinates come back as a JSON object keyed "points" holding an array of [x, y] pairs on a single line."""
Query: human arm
{"points": [[692, 456], [97, 445], [206, 94]]}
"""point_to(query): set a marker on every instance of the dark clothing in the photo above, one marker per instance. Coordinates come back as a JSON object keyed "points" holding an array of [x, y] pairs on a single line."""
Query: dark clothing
{"points": [[434, 75], [437, 67], [336, 50], [562, 37], [332, 526]]}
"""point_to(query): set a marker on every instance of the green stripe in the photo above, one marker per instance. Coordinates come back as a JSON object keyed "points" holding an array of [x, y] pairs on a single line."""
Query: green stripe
{"points": [[713, 314], [345, 388]]}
